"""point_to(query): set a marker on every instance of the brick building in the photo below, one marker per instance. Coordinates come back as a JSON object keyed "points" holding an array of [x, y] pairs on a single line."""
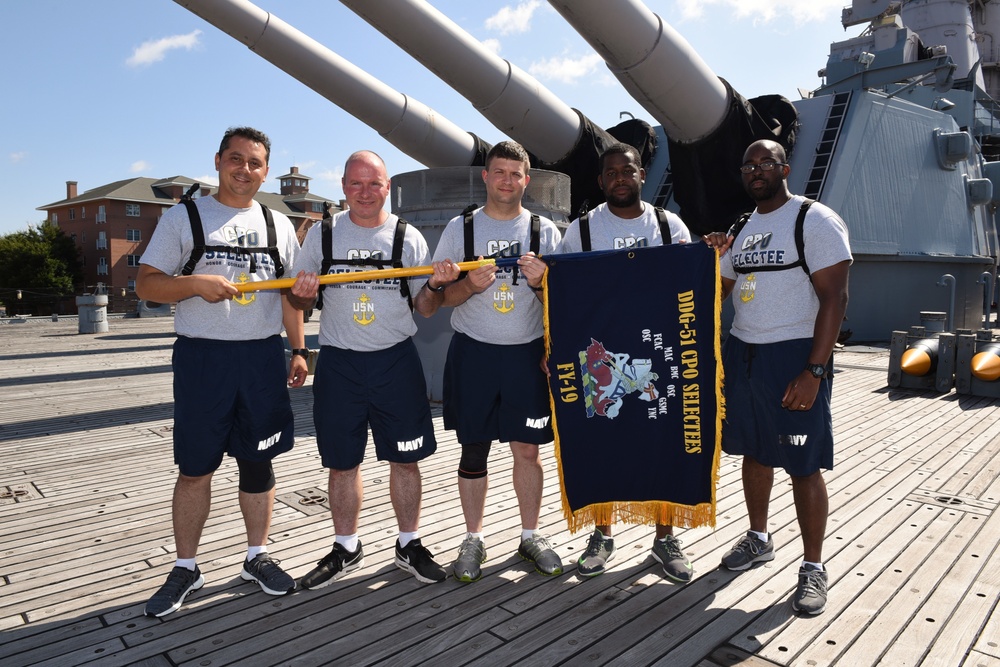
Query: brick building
{"points": [[111, 224]]}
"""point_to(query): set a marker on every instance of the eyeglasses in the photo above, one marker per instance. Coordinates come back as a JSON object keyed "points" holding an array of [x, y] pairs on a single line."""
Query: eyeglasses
{"points": [[763, 166]]}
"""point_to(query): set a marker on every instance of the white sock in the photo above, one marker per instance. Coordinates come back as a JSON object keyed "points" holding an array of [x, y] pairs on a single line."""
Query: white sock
{"points": [[478, 536], [405, 538], [186, 563], [760, 536], [527, 534], [349, 542], [818, 566], [253, 551]]}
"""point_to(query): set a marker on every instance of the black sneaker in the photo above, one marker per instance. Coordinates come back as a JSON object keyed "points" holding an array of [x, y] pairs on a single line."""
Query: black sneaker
{"points": [[334, 565], [265, 571], [417, 560], [180, 582]]}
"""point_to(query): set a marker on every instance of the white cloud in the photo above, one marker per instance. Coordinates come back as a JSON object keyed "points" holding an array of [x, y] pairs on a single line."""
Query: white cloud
{"points": [[764, 11], [155, 50], [511, 20], [566, 70], [211, 179], [492, 45], [18, 156], [139, 166]]}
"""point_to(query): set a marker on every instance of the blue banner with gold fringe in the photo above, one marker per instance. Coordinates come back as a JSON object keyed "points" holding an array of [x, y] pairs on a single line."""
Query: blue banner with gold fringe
{"points": [[636, 383]]}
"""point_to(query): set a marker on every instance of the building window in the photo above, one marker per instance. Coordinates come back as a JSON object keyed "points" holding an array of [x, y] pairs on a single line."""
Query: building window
{"points": [[102, 240], [131, 284], [55, 218], [102, 266], [83, 212], [317, 207], [132, 210], [287, 183], [133, 260], [72, 214], [100, 214], [134, 235]]}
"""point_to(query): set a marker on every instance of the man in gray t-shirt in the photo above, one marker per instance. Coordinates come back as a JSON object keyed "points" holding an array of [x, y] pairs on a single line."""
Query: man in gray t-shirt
{"points": [[790, 304], [368, 374], [625, 221], [226, 343], [494, 387]]}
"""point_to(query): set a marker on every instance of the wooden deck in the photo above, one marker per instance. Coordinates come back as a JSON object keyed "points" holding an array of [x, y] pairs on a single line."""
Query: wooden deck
{"points": [[85, 481]]}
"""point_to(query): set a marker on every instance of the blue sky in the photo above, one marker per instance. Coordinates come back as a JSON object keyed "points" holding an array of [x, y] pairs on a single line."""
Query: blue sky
{"points": [[97, 91]]}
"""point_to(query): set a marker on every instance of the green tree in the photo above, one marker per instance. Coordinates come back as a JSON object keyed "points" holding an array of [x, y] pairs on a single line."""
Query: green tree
{"points": [[40, 262]]}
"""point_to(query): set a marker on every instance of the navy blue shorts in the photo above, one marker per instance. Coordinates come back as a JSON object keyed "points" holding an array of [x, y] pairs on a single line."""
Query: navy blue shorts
{"points": [[757, 426], [384, 389], [230, 397], [496, 392]]}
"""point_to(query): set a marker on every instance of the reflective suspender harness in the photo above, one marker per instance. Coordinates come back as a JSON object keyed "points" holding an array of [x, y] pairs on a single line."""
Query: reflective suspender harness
{"points": [[661, 218], [800, 244], [198, 232], [396, 261]]}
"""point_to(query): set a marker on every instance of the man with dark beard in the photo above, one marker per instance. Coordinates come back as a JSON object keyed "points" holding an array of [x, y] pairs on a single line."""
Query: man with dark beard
{"points": [[625, 221], [792, 300]]}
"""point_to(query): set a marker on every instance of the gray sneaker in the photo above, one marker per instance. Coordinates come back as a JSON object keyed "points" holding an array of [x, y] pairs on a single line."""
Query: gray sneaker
{"points": [[810, 594], [675, 564], [265, 571], [599, 552], [538, 550], [471, 554], [747, 551], [180, 583]]}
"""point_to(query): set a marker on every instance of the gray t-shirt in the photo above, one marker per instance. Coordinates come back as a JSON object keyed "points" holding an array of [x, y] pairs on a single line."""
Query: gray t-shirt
{"points": [[609, 232], [253, 315], [504, 314], [373, 314], [774, 306]]}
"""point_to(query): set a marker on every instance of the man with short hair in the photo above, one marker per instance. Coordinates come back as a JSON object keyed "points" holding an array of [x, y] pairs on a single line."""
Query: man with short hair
{"points": [[368, 373], [230, 396], [625, 221], [792, 301], [494, 387]]}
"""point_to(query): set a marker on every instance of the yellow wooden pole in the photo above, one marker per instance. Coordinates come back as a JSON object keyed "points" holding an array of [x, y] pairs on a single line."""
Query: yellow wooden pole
{"points": [[355, 276]]}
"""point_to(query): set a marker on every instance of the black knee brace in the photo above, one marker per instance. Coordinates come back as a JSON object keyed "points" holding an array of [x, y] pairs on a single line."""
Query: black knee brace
{"points": [[474, 457], [255, 476]]}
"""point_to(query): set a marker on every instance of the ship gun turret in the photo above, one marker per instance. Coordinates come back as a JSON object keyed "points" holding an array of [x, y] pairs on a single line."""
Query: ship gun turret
{"points": [[406, 123], [707, 123], [558, 137]]}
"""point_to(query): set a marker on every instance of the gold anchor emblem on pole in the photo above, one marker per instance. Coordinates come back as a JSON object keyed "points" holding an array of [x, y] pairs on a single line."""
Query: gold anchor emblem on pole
{"points": [[244, 298], [503, 301], [748, 288], [365, 311]]}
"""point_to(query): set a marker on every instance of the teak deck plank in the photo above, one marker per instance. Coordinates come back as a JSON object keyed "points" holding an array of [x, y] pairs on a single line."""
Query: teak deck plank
{"points": [[913, 535]]}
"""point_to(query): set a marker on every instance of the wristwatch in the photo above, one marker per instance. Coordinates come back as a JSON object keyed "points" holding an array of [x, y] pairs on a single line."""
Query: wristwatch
{"points": [[437, 290], [300, 351], [817, 370]]}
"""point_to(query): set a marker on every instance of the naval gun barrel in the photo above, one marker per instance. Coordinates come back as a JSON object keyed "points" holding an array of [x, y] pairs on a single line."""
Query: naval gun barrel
{"points": [[407, 124], [557, 137], [708, 124]]}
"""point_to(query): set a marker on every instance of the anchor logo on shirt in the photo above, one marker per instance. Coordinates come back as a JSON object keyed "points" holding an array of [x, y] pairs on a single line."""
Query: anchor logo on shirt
{"points": [[503, 299], [748, 288], [364, 312], [244, 298]]}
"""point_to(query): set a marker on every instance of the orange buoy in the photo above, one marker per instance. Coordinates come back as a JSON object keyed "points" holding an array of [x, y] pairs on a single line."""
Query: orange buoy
{"points": [[920, 358], [986, 363]]}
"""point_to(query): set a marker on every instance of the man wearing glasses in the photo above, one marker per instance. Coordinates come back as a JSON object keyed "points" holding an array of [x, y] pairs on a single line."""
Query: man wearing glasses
{"points": [[791, 296]]}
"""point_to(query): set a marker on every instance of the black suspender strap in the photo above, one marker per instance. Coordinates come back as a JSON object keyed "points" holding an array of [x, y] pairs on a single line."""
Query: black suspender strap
{"points": [[661, 218]]}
